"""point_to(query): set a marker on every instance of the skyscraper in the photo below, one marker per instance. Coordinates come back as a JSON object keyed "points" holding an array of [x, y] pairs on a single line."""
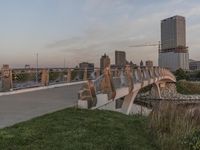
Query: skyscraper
{"points": [[88, 66], [173, 53], [104, 61], [120, 58]]}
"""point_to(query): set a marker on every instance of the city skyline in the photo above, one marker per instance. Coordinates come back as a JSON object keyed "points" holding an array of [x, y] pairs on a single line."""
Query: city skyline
{"points": [[59, 30]]}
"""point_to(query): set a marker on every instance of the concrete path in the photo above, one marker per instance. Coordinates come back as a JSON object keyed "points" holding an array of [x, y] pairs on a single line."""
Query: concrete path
{"points": [[24, 106]]}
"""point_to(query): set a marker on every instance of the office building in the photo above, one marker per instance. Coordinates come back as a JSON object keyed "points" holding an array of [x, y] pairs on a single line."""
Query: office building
{"points": [[149, 63], [194, 65], [141, 64], [83, 66], [104, 61], [120, 58], [174, 52], [132, 65]]}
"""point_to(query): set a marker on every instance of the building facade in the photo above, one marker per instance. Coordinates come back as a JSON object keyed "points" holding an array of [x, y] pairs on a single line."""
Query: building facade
{"points": [[120, 58], [173, 53], [104, 61], [88, 66], [141, 64], [194, 65], [149, 63], [132, 65]]}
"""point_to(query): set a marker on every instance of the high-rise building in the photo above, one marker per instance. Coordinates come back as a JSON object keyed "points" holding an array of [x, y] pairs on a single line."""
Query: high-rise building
{"points": [[174, 52], [149, 63], [88, 66], [104, 61], [120, 58]]}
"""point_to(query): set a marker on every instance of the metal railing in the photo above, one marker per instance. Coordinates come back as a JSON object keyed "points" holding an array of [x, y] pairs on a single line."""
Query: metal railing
{"points": [[97, 84], [27, 78], [127, 78]]}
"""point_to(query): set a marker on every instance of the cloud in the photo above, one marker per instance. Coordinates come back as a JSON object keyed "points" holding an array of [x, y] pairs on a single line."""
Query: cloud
{"points": [[100, 38], [107, 25]]}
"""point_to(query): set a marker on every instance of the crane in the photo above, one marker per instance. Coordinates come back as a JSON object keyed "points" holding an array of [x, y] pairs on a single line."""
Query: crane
{"points": [[146, 45]]}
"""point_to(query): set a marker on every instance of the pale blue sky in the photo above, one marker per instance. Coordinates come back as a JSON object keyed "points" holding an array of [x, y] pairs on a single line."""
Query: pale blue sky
{"points": [[83, 30]]}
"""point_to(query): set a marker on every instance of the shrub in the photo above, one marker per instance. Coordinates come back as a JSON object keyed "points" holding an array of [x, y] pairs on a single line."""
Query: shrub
{"points": [[181, 75], [192, 141], [187, 87]]}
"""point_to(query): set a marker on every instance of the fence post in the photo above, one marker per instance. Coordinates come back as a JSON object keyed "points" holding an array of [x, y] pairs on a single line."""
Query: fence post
{"points": [[85, 75], [97, 73], [129, 77], [45, 77], [69, 75], [116, 73], [7, 83], [140, 74]]}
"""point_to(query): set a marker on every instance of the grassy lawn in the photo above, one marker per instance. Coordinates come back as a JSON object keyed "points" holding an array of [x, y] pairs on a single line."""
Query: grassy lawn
{"points": [[75, 129]]}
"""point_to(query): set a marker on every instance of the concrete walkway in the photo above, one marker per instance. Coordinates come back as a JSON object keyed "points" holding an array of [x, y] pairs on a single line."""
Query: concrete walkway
{"points": [[24, 106]]}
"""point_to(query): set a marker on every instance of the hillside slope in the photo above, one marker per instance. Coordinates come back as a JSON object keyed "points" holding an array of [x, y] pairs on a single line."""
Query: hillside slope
{"points": [[76, 129]]}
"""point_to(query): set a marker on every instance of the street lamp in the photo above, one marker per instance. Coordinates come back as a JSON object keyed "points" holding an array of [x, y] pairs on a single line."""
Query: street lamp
{"points": [[36, 77], [64, 63]]}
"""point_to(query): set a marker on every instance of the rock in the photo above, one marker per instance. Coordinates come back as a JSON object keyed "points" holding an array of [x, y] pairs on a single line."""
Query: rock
{"points": [[169, 92]]}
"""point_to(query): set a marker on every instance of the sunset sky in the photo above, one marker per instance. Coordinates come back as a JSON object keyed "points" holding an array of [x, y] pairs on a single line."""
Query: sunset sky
{"points": [[83, 30]]}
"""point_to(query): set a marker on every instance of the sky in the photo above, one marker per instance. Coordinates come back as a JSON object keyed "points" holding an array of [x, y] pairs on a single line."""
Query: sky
{"points": [[83, 30]]}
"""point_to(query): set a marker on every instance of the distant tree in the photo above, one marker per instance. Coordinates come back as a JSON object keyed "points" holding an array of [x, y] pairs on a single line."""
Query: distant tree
{"points": [[53, 75], [198, 75], [181, 75], [74, 74]]}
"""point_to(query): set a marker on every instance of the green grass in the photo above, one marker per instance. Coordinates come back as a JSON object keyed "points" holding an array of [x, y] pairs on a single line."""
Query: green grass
{"points": [[75, 129]]}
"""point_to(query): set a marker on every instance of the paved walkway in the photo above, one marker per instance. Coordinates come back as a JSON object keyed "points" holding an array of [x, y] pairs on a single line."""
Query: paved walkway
{"points": [[24, 106]]}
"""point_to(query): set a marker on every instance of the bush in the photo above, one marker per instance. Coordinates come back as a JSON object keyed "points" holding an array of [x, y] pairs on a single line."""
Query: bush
{"points": [[23, 77], [187, 87], [181, 75], [54, 76], [192, 141], [198, 75]]}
